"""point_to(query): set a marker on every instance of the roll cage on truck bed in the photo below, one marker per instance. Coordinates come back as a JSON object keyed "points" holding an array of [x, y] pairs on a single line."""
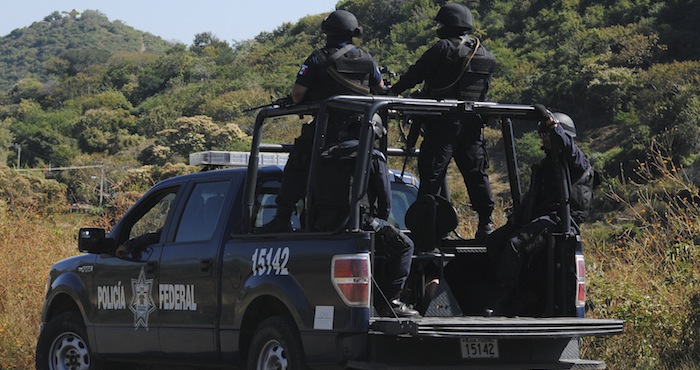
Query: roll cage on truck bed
{"points": [[457, 310]]}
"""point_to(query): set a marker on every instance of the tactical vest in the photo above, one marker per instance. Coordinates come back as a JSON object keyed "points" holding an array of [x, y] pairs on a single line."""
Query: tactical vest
{"points": [[346, 71], [543, 195], [471, 80], [582, 194]]}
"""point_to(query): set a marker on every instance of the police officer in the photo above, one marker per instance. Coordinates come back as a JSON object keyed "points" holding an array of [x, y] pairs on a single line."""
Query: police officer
{"points": [[526, 232], [338, 68], [458, 66], [331, 210]]}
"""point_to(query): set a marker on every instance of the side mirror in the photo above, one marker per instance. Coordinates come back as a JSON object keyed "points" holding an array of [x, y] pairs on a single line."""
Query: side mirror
{"points": [[93, 240]]}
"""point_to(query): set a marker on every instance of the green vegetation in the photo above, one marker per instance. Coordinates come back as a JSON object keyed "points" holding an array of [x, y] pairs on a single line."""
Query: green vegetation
{"points": [[68, 43], [628, 72]]}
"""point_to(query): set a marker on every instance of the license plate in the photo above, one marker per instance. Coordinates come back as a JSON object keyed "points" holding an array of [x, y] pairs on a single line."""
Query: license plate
{"points": [[479, 348]]}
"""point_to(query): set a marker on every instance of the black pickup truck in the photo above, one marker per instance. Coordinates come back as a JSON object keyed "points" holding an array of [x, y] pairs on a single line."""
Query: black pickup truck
{"points": [[204, 289]]}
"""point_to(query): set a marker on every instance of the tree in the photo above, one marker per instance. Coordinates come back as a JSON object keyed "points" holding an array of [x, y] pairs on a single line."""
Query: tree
{"points": [[6, 140], [196, 134], [105, 130], [156, 75], [667, 103]]}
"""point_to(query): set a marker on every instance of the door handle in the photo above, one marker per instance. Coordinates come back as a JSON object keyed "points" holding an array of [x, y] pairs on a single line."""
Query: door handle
{"points": [[151, 267], [205, 266]]}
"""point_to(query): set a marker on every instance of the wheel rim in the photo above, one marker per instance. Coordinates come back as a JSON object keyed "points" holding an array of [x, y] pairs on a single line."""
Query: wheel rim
{"points": [[69, 352], [272, 356]]}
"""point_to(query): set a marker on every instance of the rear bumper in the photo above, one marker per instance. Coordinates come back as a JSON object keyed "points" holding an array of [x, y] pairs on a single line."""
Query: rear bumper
{"points": [[522, 343]]}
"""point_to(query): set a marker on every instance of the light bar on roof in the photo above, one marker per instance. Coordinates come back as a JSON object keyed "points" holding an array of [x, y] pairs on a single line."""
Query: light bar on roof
{"points": [[235, 159]]}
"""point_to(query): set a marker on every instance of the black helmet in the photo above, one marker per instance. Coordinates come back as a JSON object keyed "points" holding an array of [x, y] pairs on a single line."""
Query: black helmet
{"points": [[566, 123], [455, 15], [341, 22]]}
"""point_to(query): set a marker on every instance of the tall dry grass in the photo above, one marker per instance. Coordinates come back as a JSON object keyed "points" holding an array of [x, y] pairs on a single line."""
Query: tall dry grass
{"points": [[644, 267], [29, 244], [643, 260]]}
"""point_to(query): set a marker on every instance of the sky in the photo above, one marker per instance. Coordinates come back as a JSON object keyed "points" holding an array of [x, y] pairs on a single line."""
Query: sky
{"points": [[175, 20]]}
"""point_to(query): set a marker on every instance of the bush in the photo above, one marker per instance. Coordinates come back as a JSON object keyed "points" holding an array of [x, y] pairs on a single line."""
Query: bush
{"points": [[644, 268], [28, 193]]}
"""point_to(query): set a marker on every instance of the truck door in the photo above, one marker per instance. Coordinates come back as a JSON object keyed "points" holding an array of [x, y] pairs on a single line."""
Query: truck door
{"points": [[125, 305], [189, 273]]}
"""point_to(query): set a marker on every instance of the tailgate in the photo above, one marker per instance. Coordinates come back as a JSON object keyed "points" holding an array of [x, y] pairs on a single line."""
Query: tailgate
{"points": [[482, 343]]}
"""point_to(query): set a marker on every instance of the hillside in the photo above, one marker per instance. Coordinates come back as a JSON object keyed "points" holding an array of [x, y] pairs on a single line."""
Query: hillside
{"points": [[628, 72], [82, 39]]}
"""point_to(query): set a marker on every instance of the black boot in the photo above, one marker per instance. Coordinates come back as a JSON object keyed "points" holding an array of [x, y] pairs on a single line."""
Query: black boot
{"points": [[501, 303], [395, 308], [485, 227], [281, 223]]}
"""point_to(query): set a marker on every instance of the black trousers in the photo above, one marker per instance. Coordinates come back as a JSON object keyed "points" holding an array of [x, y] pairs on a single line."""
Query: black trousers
{"points": [[520, 243], [459, 137], [296, 170]]}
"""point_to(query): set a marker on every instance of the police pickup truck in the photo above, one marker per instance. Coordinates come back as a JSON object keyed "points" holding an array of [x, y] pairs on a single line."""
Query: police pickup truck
{"points": [[201, 288]]}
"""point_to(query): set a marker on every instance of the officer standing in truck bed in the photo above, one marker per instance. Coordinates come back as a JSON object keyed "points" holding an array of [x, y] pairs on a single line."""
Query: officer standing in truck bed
{"points": [[338, 68], [458, 66]]}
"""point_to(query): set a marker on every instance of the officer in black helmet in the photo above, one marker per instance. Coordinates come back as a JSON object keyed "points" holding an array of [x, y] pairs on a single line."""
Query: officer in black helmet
{"points": [[338, 68], [524, 236], [342, 68], [458, 66]]}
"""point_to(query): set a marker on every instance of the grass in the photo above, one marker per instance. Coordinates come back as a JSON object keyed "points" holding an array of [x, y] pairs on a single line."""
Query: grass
{"points": [[644, 267], [30, 244], [642, 254]]}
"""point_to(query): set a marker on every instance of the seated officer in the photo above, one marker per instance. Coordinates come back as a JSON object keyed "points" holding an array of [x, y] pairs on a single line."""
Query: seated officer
{"points": [[331, 207], [526, 234]]}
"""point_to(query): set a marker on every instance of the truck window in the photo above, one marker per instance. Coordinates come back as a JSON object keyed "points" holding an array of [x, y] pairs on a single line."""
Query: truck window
{"points": [[402, 196], [153, 219], [202, 211], [267, 206]]}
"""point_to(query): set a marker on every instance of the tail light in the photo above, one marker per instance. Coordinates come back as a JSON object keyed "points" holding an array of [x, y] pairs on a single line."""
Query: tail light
{"points": [[352, 278], [580, 281]]}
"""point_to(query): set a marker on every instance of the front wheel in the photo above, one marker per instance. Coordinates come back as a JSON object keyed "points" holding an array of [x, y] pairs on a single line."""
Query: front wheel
{"points": [[63, 345], [276, 346]]}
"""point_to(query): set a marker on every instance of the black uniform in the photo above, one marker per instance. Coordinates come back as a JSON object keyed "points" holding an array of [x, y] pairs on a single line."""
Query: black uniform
{"points": [[458, 135], [526, 233], [357, 66], [332, 209]]}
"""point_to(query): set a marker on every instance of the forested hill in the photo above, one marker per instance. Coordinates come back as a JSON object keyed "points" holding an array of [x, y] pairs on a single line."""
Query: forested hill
{"points": [[80, 39]]}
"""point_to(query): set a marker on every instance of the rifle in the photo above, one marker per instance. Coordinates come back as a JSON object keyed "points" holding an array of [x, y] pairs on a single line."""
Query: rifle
{"points": [[277, 103], [385, 71]]}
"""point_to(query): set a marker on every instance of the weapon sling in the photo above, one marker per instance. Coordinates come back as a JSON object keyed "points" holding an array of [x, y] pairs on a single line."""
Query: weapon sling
{"points": [[337, 76], [468, 60]]}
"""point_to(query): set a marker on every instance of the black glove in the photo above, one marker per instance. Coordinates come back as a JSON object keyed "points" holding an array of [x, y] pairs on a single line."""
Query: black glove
{"points": [[547, 119], [283, 101], [542, 111]]}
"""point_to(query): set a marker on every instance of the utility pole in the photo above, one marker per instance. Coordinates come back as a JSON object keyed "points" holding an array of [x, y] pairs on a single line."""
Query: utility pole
{"points": [[102, 182], [19, 152]]}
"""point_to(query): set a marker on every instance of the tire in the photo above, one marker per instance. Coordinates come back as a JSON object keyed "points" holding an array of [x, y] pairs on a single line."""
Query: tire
{"points": [[276, 345], [63, 345]]}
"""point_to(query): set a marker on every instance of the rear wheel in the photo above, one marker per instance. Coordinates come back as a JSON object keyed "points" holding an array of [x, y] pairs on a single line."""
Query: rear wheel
{"points": [[276, 346], [63, 345]]}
